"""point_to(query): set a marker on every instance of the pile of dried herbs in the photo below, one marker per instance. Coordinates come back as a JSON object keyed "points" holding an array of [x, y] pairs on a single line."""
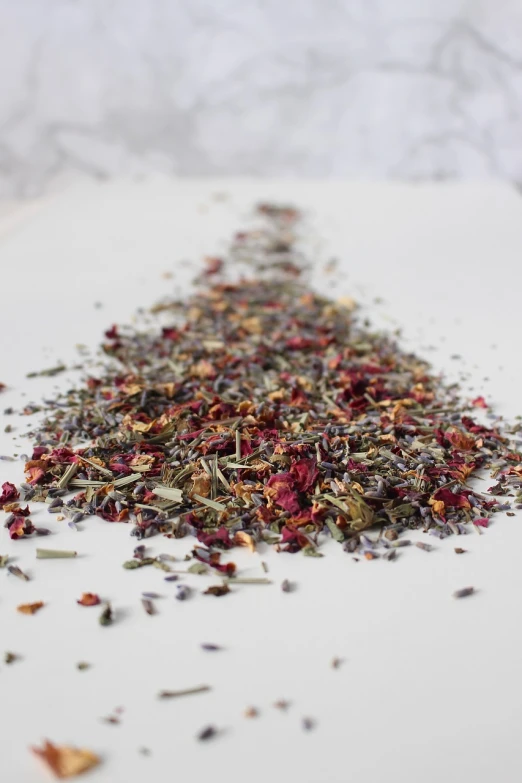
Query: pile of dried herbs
{"points": [[262, 411]]}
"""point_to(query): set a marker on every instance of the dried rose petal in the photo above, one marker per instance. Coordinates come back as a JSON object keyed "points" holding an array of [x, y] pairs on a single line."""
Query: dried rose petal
{"points": [[9, 493], [89, 599], [66, 762], [30, 608]]}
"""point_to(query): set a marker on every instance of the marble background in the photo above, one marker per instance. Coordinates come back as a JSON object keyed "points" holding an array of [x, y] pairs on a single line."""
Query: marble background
{"points": [[410, 89]]}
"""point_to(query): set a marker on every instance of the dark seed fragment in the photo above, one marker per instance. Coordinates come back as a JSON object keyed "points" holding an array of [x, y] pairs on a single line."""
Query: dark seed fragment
{"points": [[207, 733], [464, 592]]}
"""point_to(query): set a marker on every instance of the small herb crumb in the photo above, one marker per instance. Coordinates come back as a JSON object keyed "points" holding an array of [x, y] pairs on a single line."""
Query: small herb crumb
{"points": [[106, 617], [30, 608], [183, 592], [217, 590], [207, 733], [464, 592]]}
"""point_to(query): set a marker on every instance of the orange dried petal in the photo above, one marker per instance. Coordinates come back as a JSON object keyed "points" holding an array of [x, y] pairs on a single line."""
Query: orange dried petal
{"points": [[65, 761]]}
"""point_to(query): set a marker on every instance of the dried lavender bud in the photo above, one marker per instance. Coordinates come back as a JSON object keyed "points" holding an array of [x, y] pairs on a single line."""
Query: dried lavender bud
{"points": [[183, 592]]}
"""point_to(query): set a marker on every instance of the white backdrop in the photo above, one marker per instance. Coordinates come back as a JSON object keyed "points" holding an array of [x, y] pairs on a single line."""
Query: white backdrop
{"points": [[408, 89], [430, 688]]}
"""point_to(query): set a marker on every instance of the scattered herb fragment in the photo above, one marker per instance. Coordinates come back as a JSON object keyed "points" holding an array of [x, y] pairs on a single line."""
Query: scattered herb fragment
{"points": [[464, 592], [15, 571], [30, 608], [197, 568], [183, 592], [89, 599], [112, 719], [148, 606], [106, 616], [65, 761], [207, 733], [184, 692], [217, 590], [54, 554]]}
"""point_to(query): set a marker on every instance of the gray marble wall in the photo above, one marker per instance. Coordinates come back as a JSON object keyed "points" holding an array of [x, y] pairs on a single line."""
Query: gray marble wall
{"points": [[412, 89]]}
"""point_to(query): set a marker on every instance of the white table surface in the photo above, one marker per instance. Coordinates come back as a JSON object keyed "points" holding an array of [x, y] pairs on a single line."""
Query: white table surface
{"points": [[430, 688]]}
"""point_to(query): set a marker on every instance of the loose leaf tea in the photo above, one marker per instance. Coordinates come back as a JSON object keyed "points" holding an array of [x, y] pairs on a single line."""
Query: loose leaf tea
{"points": [[263, 412], [54, 554]]}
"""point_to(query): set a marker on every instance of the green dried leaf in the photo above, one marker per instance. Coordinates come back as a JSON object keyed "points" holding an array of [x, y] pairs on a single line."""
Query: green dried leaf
{"points": [[161, 565], [336, 532], [139, 563], [311, 551], [54, 554], [404, 510], [198, 568], [106, 616], [339, 503]]}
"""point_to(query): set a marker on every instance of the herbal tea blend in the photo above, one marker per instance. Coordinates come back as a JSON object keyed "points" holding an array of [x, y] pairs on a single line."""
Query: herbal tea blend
{"points": [[261, 411]]}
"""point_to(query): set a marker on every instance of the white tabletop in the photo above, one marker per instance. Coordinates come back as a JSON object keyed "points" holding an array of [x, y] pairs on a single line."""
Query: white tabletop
{"points": [[430, 688]]}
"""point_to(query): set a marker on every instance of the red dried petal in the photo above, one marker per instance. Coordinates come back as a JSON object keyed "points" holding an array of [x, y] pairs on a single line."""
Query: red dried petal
{"points": [[279, 489], [305, 474], [9, 493], [451, 499], [221, 538]]}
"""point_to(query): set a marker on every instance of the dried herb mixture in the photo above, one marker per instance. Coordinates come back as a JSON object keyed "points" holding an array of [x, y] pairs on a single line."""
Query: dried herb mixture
{"points": [[263, 411]]}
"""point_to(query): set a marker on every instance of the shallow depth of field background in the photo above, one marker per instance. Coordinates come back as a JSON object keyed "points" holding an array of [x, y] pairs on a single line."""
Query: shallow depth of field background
{"points": [[364, 89]]}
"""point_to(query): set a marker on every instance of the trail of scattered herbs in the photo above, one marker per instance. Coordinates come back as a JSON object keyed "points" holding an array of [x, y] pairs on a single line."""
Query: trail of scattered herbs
{"points": [[259, 412]]}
